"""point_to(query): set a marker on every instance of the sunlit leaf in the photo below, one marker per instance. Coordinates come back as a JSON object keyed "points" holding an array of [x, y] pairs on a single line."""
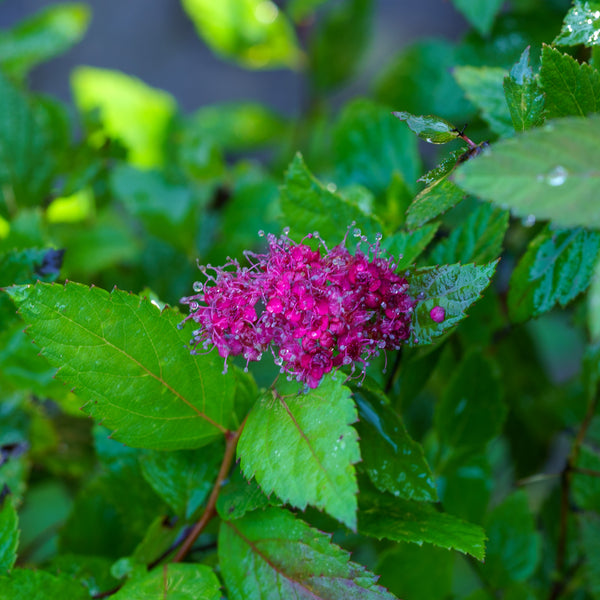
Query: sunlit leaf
{"points": [[581, 25], [24, 584]]}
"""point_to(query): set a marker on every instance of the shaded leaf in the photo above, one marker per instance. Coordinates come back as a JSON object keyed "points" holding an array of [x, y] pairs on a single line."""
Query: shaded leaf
{"points": [[484, 87], [571, 89], [383, 516], [478, 239], [251, 32], [407, 246], [471, 411], [172, 582], [302, 447], [309, 206], [533, 173], [445, 167], [9, 531], [370, 146], [430, 128], [525, 99], [452, 288], [581, 25], [47, 34], [157, 394], [590, 540], [276, 555], [129, 110], [432, 202], [27, 266], [556, 267], [586, 488], [480, 13], [513, 549], [394, 462]]}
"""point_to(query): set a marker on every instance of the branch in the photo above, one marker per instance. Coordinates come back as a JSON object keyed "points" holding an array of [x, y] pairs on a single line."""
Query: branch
{"points": [[210, 511]]}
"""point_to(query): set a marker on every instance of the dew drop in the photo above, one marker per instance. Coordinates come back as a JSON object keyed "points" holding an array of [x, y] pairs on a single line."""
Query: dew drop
{"points": [[261, 233], [197, 286], [378, 237], [286, 231], [529, 221], [557, 176], [356, 233]]}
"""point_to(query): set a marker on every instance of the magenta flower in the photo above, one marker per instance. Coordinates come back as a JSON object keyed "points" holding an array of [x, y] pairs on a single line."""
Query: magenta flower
{"points": [[314, 311]]}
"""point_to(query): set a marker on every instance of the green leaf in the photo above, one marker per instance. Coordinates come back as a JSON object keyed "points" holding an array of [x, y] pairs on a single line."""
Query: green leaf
{"points": [[405, 87], [136, 374], [25, 584], [480, 13], [432, 202], [483, 86], [533, 173], [237, 126], [9, 531], [272, 554], [339, 42], [303, 448], [471, 411], [301, 9], [571, 89], [447, 164], [514, 548], [525, 99], [593, 304], [581, 25], [129, 110], [27, 266], [309, 206], [430, 128], [27, 163], [253, 33], [370, 146], [172, 582], [92, 571], [413, 572], [394, 462], [453, 288], [409, 245], [478, 239], [183, 478], [589, 523], [586, 488], [383, 516], [47, 34], [557, 266], [239, 496]]}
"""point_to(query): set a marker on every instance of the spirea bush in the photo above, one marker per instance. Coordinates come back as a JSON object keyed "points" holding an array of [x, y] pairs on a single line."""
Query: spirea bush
{"points": [[314, 415]]}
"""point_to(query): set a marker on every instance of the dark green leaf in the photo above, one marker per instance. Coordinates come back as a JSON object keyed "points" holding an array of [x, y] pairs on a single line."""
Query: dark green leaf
{"points": [[157, 394], [394, 462], [383, 516], [302, 447], [419, 80], [254, 33], [430, 128], [9, 531], [484, 87], [412, 572], [182, 478], [308, 206], [471, 411], [586, 488], [557, 266], [26, 162], [407, 246], [272, 554], [338, 43], [581, 25], [533, 173], [478, 239], [480, 13], [24, 584], [370, 146], [172, 582], [451, 287], [27, 266], [513, 550], [47, 34], [590, 540], [445, 167], [92, 571], [525, 99], [571, 89], [432, 202]]}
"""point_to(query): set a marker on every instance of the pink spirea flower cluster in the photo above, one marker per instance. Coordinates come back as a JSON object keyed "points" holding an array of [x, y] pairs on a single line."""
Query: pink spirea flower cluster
{"points": [[316, 310]]}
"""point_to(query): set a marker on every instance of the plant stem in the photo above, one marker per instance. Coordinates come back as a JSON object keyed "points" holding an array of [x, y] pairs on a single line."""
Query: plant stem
{"points": [[210, 511], [565, 492]]}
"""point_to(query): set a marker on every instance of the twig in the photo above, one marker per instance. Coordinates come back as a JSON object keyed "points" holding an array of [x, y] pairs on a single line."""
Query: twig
{"points": [[210, 511]]}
